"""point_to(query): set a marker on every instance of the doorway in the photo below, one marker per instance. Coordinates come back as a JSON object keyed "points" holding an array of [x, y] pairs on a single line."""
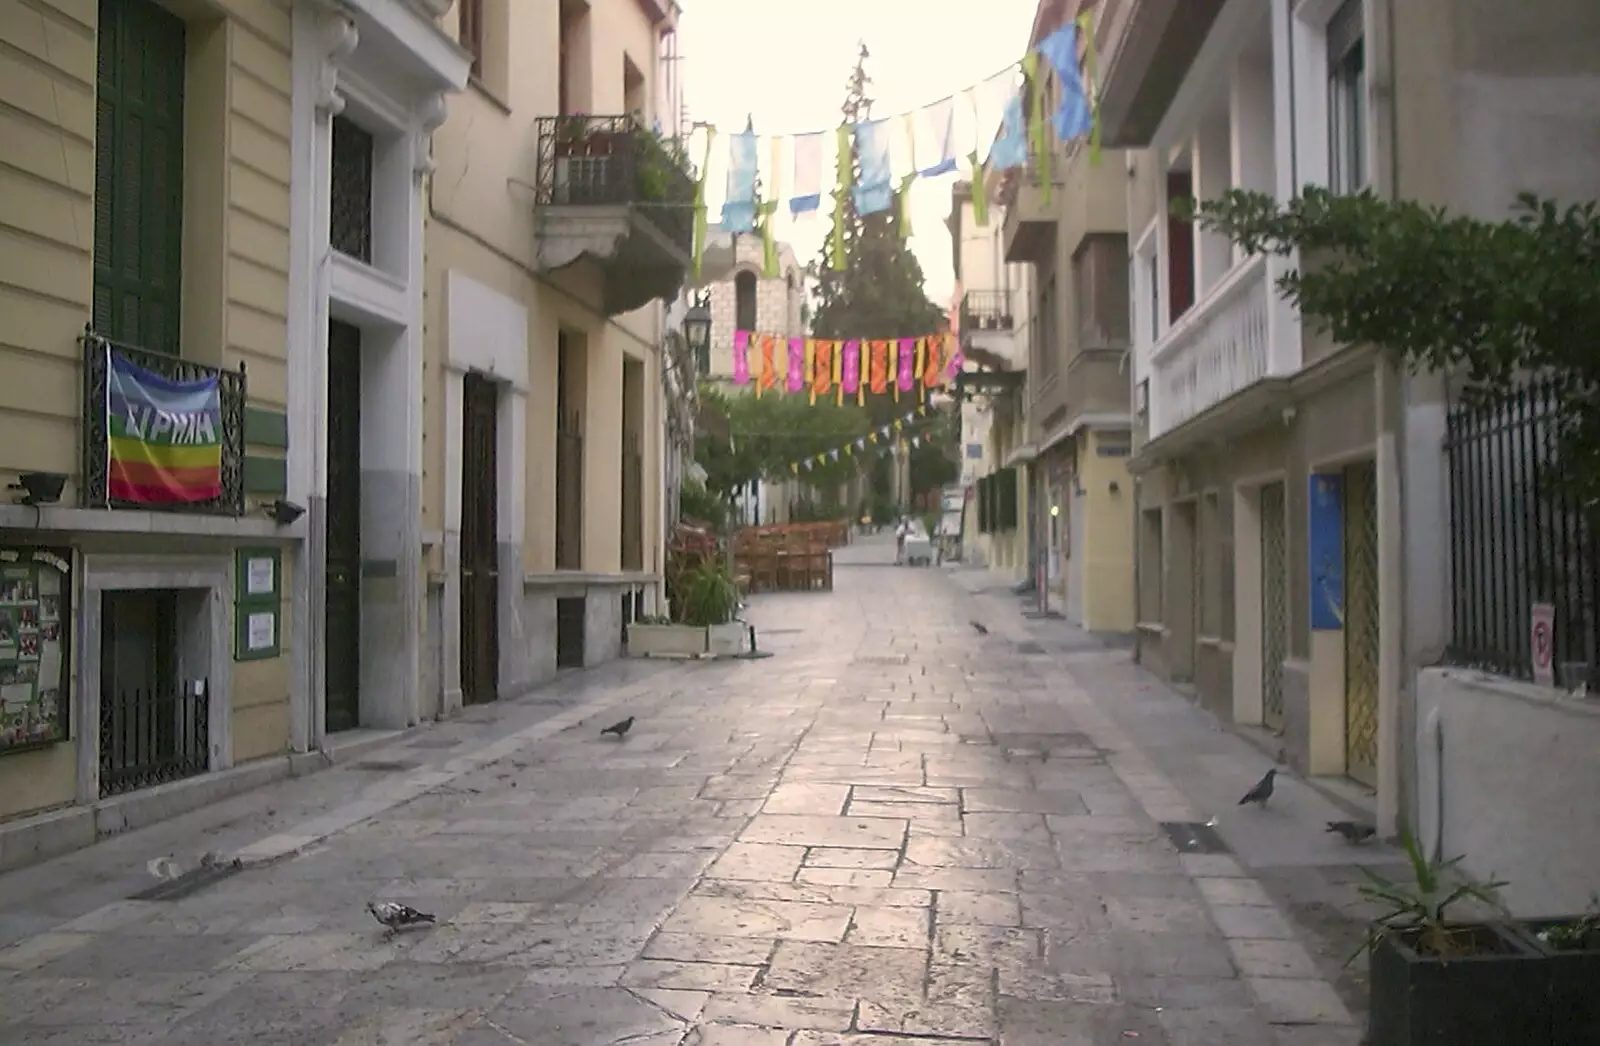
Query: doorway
{"points": [[342, 596], [480, 551], [1361, 623], [1274, 603]]}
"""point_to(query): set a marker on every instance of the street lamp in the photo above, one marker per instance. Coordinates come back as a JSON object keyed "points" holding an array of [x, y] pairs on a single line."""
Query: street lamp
{"points": [[697, 332]]}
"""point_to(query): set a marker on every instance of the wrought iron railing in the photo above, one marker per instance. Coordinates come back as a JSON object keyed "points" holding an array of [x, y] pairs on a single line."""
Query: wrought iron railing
{"points": [[569, 492], [233, 393], [150, 737], [1518, 538], [589, 161], [986, 311]]}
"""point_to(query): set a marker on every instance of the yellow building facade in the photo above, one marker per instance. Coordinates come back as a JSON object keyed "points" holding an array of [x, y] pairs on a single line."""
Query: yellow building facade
{"points": [[558, 226]]}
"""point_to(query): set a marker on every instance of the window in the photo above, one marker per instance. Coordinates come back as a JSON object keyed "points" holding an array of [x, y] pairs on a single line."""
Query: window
{"points": [[470, 31], [744, 301], [702, 359], [350, 204], [1347, 101], [138, 175]]}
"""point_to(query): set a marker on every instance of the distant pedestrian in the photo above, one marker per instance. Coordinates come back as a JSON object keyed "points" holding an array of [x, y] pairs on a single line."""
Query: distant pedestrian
{"points": [[901, 532]]}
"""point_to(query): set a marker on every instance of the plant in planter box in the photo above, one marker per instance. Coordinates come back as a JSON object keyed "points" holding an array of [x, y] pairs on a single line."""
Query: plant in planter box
{"points": [[710, 597], [1437, 981], [1571, 948], [660, 163]]}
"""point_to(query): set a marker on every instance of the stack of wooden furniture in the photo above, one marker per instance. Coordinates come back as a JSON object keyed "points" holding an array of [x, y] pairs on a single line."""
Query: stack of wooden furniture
{"points": [[786, 557]]}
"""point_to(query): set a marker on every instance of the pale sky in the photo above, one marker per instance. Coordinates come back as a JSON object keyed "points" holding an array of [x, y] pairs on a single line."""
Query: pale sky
{"points": [[786, 65]]}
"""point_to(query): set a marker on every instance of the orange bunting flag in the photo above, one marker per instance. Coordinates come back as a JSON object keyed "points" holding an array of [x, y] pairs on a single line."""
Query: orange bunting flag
{"points": [[879, 372], [769, 372], [811, 369], [933, 362], [822, 369]]}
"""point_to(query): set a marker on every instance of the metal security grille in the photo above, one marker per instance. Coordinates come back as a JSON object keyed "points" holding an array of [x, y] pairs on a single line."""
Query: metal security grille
{"points": [[1274, 604], [1361, 623], [350, 212]]}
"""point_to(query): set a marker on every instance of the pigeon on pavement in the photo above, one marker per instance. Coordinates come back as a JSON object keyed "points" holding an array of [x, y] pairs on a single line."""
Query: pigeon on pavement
{"points": [[1262, 791], [396, 916], [978, 627], [1352, 831], [620, 729]]}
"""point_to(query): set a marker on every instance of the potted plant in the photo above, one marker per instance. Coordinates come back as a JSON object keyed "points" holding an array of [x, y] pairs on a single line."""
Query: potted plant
{"points": [[711, 599], [1437, 981], [1571, 947], [662, 637]]}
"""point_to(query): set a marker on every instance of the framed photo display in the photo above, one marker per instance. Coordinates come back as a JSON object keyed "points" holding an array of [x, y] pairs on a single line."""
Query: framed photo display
{"points": [[258, 591], [35, 629]]}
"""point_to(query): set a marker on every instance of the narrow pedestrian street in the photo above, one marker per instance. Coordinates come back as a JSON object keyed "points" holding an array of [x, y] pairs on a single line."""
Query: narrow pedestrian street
{"points": [[897, 831]]}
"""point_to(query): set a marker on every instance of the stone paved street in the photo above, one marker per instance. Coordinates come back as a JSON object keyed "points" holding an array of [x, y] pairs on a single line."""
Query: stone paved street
{"points": [[895, 832]]}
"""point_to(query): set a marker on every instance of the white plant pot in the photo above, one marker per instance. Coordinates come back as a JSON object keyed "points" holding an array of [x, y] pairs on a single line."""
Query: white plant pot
{"points": [[729, 639], [666, 641]]}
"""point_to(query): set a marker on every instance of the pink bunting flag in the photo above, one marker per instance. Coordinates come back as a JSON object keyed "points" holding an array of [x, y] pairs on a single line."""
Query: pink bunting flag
{"points": [[905, 375], [797, 365], [957, 358], [741, 357], [850, 376]]}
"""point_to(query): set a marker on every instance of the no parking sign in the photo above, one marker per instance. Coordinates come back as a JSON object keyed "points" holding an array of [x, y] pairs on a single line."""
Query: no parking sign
{"points": [[1542, 640]]}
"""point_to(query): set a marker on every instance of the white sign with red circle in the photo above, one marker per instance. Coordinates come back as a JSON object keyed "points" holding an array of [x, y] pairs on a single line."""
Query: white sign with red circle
{"points": [[1542, 641]]}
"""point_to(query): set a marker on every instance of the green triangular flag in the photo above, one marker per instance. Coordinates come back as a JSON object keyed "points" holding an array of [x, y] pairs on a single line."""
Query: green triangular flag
{"points": [[769, 242], [980, 192], [700, 204], [903, 198], [843, 169]]}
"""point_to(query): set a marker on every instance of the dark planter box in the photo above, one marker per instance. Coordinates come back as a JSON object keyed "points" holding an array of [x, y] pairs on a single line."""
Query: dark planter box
{"points": [[1574, 976], [1498, 998]]}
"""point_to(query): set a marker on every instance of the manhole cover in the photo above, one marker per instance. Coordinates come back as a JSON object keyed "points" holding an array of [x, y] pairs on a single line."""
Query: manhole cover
{"points": [[1029, 647], [1042, 615], [882, 659], [779, 631], [1194, 837], [188, 884], [383, 766]]}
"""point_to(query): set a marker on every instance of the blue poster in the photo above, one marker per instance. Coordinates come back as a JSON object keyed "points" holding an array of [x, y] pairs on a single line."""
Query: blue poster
{"points": [[1325, 542]]}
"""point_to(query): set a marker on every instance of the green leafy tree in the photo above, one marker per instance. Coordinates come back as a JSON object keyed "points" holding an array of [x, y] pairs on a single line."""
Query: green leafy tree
{"points": [[1486, 301], [767, 434], [879, 292]]}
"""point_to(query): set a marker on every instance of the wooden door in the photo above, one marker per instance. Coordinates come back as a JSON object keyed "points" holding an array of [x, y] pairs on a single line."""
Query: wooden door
{"points": [[342, 620], [480, 552]]}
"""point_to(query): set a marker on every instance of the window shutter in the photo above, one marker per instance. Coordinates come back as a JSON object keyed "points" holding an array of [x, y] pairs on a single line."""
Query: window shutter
{"points": [[138, 228]]}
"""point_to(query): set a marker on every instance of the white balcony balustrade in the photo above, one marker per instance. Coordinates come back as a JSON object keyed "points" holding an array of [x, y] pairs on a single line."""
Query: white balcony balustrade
{"points": [[1221, 346]]}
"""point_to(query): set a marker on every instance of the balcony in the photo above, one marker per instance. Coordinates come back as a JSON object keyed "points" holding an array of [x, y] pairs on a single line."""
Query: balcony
{"points": [[988, 336], [1218, 349], [615, 193], [1030, 225], [95, 490], [1147, 57]]}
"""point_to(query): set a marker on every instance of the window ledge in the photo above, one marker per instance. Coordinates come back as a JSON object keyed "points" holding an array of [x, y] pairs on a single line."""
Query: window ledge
{"points": [[489, 94], [58, 519]]}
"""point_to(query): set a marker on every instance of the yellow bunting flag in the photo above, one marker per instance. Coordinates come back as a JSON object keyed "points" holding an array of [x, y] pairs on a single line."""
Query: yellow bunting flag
{"points": [[1092, 88], [980, 192], [1038, 143], [700, 226], [811, 366]]}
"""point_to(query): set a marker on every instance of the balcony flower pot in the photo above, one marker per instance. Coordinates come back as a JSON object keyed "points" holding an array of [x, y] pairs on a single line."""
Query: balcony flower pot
{"points": [[1571, 950], [645, 640], [1493, 989]]}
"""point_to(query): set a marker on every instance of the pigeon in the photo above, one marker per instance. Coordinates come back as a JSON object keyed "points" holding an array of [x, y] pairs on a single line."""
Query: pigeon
{"points": [[1262, 791], [1352, 831], [978, 627], [396, 916], [620, 729]]}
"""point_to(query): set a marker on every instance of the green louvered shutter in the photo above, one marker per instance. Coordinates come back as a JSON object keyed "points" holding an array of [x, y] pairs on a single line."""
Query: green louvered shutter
{"points": [[138, 175]]}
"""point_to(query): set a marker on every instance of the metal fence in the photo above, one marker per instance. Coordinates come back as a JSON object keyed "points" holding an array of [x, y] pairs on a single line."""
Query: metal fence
{"points": [[150, 737], [1518, 539]]}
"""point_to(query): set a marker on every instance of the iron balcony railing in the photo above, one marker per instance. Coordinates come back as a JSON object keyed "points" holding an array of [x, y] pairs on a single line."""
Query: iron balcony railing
{"points": [[594, 161], [233, 393], [986, 311]]}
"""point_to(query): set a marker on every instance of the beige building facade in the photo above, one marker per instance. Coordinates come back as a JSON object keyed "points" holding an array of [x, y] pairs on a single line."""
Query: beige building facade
{"points": [[554, 239], [1262, 446], [159, 208]]}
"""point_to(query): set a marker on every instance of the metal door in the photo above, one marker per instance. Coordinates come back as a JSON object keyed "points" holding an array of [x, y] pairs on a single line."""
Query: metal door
{"points": [[1361, 623], [480, 552], [1274, 604], [342, 635]]}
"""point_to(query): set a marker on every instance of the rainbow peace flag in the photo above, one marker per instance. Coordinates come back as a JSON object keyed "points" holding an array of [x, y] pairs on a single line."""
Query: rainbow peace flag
{"points": [[163, 437]]}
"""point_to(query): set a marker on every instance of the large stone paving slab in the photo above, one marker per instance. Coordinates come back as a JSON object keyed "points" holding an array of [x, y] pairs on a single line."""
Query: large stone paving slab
{"points": [[877, 838]]}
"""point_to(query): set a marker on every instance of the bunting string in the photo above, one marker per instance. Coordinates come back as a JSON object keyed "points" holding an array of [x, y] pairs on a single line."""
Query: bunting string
{"points": [[995, 124], [900, 434], [847, 367]]}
